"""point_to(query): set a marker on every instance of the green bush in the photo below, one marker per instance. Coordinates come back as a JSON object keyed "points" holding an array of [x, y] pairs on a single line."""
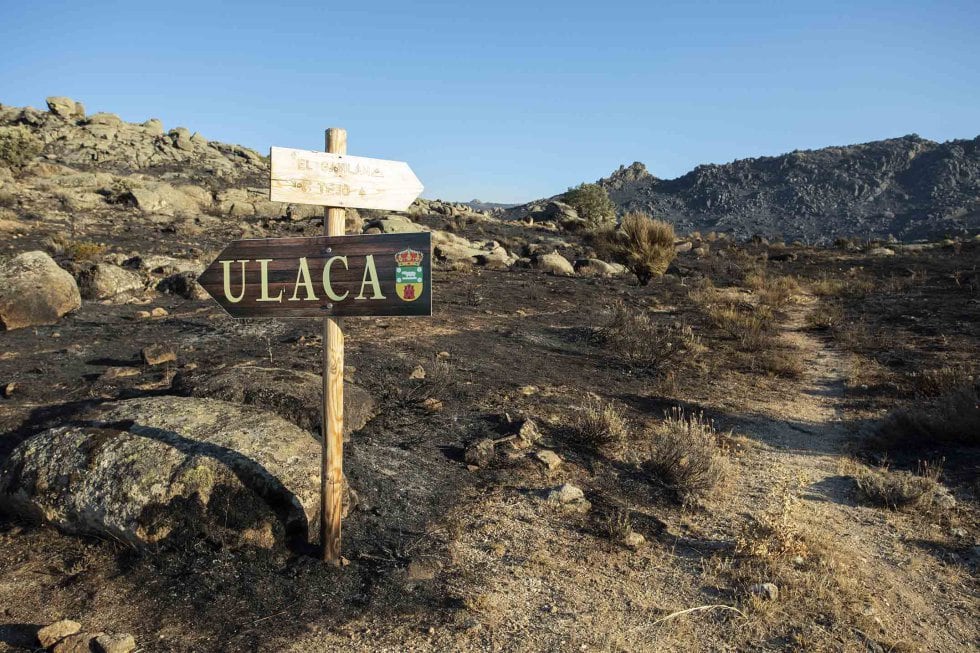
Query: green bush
{"points": [[18, 146], [592, 203]]}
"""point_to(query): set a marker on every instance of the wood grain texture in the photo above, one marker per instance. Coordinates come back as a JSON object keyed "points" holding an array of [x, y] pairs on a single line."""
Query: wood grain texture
{"points": [[335, 179], [332, 456], [282, 272]]}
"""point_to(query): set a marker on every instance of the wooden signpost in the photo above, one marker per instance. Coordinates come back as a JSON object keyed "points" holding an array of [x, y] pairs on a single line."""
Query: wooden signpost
{"points": [[333, 276]]}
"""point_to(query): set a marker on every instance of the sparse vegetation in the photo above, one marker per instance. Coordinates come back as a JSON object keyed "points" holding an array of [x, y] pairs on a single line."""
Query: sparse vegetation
{"points": [[599, 424], [644, 245], [18, 146], [684, 456], [641, 342], [898, 489], [953, 419], [592, 203]]}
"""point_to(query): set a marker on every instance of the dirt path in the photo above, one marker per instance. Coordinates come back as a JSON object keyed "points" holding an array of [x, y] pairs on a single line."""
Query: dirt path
{"points": [[915, 596]]}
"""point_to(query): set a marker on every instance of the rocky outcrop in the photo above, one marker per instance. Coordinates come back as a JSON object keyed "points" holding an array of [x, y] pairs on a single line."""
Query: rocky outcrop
{"points": [[169, 469], [291, 394], [106, 281], [35, 291], [909, 187]]}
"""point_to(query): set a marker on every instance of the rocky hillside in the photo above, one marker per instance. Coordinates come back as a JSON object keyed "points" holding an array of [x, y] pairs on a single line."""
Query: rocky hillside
{"points": [[908, 187]]}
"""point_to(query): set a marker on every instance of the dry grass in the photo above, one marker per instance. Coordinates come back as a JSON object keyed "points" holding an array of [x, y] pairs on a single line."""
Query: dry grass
{"points": [[898, 489], [784, 363], [640, 342], [685, 457], [939, 381], [84, 250], [749, 327], [825, 317], [950, 420], [600, 424], [644, 245], [852, 286], [822, 599]]}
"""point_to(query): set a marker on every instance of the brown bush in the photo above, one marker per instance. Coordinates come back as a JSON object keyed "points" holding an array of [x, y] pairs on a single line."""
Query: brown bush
{"points": [[898, 489], [684, 457], [749, 328], [644, 245], [950, 420], [641, 342], [599, 424], [18, 146]]}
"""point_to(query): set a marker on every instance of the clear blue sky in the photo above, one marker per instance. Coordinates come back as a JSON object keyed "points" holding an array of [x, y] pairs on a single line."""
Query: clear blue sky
{"points": [[509, 101]]}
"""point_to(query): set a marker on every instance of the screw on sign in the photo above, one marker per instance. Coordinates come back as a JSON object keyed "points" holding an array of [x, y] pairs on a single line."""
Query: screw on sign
{"points": [[333, 276]]}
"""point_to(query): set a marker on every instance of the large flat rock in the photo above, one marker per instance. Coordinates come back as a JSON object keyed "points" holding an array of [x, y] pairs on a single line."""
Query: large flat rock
{"points": [[167, 470], [292, 394]]}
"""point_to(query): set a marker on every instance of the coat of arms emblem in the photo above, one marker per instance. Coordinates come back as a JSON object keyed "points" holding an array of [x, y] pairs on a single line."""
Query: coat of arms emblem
{"points": [[408, 274]]}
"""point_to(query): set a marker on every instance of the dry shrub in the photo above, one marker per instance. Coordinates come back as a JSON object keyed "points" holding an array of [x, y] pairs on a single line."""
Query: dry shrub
{"points": [[84, 250], [950, 420], [8, 200], [898, 489], [784, 363], [749, 328], [599, 424], [643, 343], [939, 381], [18, 146], [778, 292], [825, 317], [848, 286], [617, 524], [685, 457], [644, 245]]}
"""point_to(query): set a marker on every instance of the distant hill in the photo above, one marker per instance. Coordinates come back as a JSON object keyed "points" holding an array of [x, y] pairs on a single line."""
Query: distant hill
{"points": [[909, 187]]}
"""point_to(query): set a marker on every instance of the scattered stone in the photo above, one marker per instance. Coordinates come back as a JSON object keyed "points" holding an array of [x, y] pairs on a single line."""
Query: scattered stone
{"points": [[634, 540], [566, 493], [686, 246], [183, 284], [529, 432], [549, 459], [765, 591], [158, 355], [480, 453], [114, 373], [442, 355], [593, 267], [881, 251], [159, 311], [65, 107], [124, 643], [291, 394], [553, 263], [169, 468], [107, 281], [8, 389], [54, 633], [432, 405], [77, 643], [143, 315], [417, 374], [35, 291]]}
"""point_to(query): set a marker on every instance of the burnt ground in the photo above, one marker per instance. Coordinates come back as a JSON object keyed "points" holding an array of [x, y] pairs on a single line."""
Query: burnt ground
{"points": [[445, 558]]}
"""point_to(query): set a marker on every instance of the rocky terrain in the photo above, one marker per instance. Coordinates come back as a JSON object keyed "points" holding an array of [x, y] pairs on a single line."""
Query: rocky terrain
{"points": [[909, 188], [770, 447]]}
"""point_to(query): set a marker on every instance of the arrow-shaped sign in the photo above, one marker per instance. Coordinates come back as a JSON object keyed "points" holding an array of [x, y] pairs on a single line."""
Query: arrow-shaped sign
{"points": [[356, 182], [329, 276]]}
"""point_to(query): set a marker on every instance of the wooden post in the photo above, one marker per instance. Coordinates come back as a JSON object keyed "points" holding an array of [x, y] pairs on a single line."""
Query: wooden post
{"points": [[332, 462]]}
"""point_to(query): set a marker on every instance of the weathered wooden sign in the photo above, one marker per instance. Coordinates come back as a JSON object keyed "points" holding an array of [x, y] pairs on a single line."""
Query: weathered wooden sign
{"points": [[307, 177], [329, 276]]}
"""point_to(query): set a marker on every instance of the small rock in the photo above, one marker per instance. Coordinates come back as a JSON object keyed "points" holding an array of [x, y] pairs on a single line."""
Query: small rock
{"points": [[549, 459], [634, 540], [77, 643], [113, 373], [418, 373], [158, 355], [442, 355], [565, 493], [529, 432], [765, 591], [143, 315], [432, 405], [480, 453], [159, 311], [8, 389], [53, 633], [124, 643], [881, 251], [529, 390]]}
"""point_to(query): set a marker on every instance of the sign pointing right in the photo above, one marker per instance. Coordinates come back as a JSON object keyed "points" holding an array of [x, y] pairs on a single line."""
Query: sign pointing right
{"points": [[356, 182]]}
